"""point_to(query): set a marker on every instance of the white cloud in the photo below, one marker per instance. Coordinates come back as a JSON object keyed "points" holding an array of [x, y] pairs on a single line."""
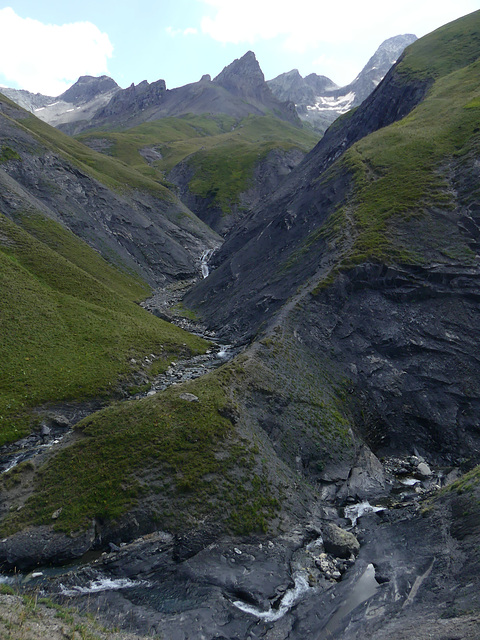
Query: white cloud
{"points": [[172, 32], [49, 58], [305, 24]]}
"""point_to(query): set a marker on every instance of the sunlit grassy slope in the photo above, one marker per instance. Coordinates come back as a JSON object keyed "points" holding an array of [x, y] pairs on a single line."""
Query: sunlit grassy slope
{"points": [[221, 151], [69, 324]]}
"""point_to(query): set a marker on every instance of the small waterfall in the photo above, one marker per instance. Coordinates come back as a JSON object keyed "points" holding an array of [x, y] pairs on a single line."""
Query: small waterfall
{"points": [[203, 262]]}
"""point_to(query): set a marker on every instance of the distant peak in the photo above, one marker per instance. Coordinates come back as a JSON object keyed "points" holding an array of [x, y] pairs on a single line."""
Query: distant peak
{"points": [[241, 75], [87, 87]]}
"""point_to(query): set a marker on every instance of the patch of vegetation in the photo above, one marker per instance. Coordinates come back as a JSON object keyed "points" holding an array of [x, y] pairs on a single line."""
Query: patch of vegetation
{"points": [[182, 458], [221, 151], [69, 328], [65, 243], [29, 617], [14, 477], [466, 484], [6, 154], [181, 311]]}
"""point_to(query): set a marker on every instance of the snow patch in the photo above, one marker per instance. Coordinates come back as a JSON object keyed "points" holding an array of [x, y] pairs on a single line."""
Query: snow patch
{"points": [[342, 104]]}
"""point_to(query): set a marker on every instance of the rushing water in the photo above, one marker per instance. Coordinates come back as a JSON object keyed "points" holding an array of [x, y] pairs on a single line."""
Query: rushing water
{"points": [[203, 262], [289, 599], [102, 584], [355, 511]]}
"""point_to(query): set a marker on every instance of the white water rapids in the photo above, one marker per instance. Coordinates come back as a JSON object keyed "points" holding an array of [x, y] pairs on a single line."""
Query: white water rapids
{"points": [[102, 584], [289, 599], [355, 511]]}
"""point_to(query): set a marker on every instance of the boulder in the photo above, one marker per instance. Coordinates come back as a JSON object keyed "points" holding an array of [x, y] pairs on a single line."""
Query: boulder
{"points": [[338, 542], [366, 479], [41, 545]]}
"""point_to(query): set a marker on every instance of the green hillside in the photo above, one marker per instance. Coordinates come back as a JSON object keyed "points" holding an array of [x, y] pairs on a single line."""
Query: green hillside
{"points": [[69, 324], [402, 173], [221, 151]]}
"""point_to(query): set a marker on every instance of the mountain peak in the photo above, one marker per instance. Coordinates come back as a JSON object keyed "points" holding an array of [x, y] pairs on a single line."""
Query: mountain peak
{"points": [[88, 87], [242, 76]]}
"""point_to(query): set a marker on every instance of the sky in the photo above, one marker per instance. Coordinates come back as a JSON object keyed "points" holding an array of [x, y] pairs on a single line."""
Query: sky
{"points": [[46, 45]]}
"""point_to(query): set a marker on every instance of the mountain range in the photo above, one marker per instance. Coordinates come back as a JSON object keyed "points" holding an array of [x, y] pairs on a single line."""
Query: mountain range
{"points": [[239, 363], [239, 90]]}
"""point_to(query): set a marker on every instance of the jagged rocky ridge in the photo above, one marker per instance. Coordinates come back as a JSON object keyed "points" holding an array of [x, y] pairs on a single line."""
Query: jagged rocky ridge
{"points": [[239, 90], [80, 102], [319, 101]]}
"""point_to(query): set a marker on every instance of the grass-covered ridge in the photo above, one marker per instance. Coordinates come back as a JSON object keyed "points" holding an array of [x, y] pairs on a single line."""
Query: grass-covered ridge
{"points": [[181, 461], [443, 51], [401, 176], [221, 151], [69, 324]]}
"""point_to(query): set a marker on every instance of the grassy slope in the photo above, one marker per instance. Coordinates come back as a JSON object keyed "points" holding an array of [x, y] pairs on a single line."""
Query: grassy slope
{"points": [[398, 170], [69, 323], [183, 461], [221, 151]]}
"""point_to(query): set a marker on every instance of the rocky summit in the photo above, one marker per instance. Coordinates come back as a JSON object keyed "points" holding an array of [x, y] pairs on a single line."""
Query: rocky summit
{"points": [[240, 385], [319, 101]]}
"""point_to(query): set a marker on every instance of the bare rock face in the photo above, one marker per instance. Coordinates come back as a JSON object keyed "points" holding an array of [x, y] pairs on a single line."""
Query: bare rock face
{"points": [[243, 77], [41, 545], [87, 88], [134, 99], [366, 479]]}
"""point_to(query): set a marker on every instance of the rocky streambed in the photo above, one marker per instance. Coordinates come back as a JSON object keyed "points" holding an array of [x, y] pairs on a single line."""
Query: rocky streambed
{"points": [[359, 568]]}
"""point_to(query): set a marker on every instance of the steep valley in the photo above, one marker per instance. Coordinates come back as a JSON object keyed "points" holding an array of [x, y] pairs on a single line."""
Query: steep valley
{"points": [[298, 458]]}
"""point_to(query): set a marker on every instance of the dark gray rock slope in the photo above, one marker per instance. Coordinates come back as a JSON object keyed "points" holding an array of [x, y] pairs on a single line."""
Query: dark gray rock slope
{"points": [[401, 335], [152, 234]]}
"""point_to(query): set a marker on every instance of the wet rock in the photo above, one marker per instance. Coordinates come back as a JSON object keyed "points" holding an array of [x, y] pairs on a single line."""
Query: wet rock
{"points": [[41, 545], [339, 542]]}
